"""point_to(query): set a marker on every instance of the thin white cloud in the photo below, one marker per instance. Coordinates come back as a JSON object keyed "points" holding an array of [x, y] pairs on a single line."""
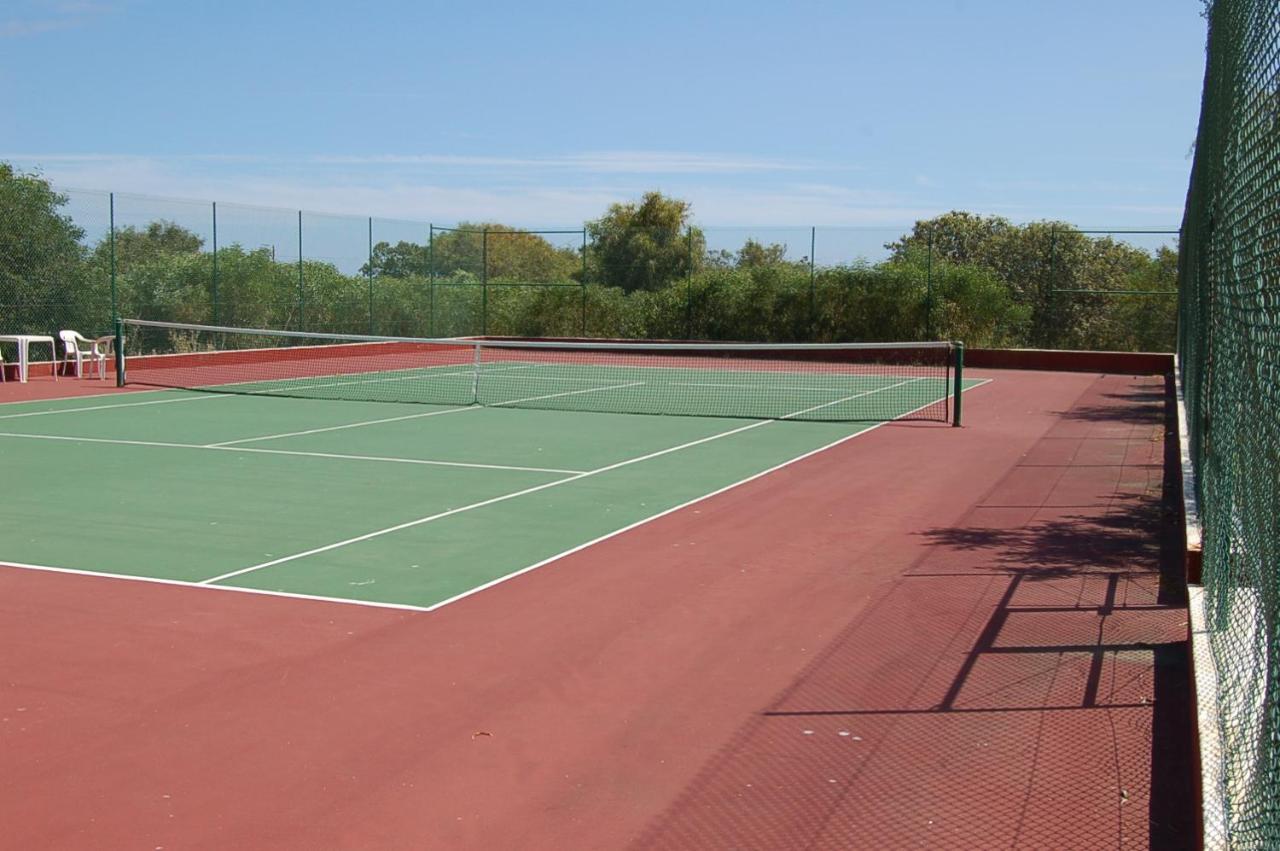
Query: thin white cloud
{"points": [[602, 162], [20, 28], [652, 162], [556, 197], [84, 8], [111, 159]]}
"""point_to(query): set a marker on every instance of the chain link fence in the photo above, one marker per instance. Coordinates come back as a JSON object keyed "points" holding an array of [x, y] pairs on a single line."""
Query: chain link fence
{"points": [[74, 259], [1229, 359]]}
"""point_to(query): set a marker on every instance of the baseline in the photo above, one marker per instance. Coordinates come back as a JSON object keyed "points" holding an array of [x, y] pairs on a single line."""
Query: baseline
{"points": [[186, 583]]}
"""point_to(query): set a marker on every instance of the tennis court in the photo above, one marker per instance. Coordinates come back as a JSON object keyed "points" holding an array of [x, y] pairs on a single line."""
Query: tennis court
{"points": [[472, 466], [750, 631]]}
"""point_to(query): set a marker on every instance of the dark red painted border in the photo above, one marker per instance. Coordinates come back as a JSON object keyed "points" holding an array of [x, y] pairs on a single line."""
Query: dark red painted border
{"points": [[1057, 360]]}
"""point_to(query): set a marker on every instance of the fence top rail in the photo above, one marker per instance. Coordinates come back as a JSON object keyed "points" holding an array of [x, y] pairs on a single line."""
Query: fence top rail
{"points": [[574, 232], [1119, 292], [1090, 231]]}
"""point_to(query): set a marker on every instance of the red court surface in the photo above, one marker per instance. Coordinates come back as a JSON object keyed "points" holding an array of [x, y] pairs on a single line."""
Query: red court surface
{"points": [[44, 386], [923, 637]]}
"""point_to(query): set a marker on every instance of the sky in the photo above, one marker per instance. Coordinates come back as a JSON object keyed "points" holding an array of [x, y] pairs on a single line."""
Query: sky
{"points": [[542, 114]]}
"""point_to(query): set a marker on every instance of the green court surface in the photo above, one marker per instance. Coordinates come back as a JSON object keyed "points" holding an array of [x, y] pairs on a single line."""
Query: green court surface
{"points": [[388, 503]]}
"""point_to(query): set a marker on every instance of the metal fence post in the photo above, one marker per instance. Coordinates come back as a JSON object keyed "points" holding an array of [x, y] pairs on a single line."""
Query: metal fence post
{"points": [[583, 330], [688, 290], [115, 298], [484, 282], [302, 298], [928, 288], [1050, 297], [813, 283], [216, 314], [431, 279], [370, 268]]}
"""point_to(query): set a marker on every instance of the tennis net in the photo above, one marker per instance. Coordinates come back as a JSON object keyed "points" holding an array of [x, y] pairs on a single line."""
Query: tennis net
{"points": [[818, 382]]}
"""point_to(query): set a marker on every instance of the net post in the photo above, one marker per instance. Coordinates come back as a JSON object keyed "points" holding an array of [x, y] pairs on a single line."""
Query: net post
{"points": [[958, 348], [119, 349], [475, 376]]}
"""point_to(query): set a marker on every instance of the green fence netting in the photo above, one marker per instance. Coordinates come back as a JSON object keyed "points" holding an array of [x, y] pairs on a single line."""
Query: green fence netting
{"points": [[73, 259], [1229, 358]]}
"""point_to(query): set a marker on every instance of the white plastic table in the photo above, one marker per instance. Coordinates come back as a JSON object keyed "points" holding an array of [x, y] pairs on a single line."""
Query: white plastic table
{"points": [[23, 342]]}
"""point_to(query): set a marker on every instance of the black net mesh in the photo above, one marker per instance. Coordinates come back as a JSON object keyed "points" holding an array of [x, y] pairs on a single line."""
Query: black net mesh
{"points": [[793, 382]]}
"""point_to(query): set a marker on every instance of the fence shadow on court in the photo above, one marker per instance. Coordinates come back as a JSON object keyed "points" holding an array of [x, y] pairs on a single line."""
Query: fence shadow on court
{"points": [[1017, 687]]}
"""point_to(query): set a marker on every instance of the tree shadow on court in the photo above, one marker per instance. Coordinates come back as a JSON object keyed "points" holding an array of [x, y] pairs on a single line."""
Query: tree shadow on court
{"points": [[1140, 404], [1062, 547]]}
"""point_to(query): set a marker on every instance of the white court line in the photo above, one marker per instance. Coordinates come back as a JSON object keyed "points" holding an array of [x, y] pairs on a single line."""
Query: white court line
{"points": [[431, 463], [183, 583], [364, 423], [419, 372], [536, 488], [754, 387], [622, 386], [202, 397], [195, 395], [758, 387], [361, 424], [335, 455]]}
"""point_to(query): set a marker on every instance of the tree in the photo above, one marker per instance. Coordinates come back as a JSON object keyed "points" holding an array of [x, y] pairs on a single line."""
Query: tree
{"points": [[1144, 317], [754, 254], [402, 260], [497, 252], [41, 260], [136, 247], [647, 245], [1043, 264], [957, 237]]}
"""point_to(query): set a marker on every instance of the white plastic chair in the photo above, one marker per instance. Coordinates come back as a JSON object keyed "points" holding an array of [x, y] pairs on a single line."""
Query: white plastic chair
{"points": [[80, 348], [107, 349]]}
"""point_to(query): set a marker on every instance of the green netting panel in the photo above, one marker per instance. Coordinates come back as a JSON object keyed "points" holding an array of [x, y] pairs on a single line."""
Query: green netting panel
{"points": [[54, 258], [399, 276], [1229, 347]]}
